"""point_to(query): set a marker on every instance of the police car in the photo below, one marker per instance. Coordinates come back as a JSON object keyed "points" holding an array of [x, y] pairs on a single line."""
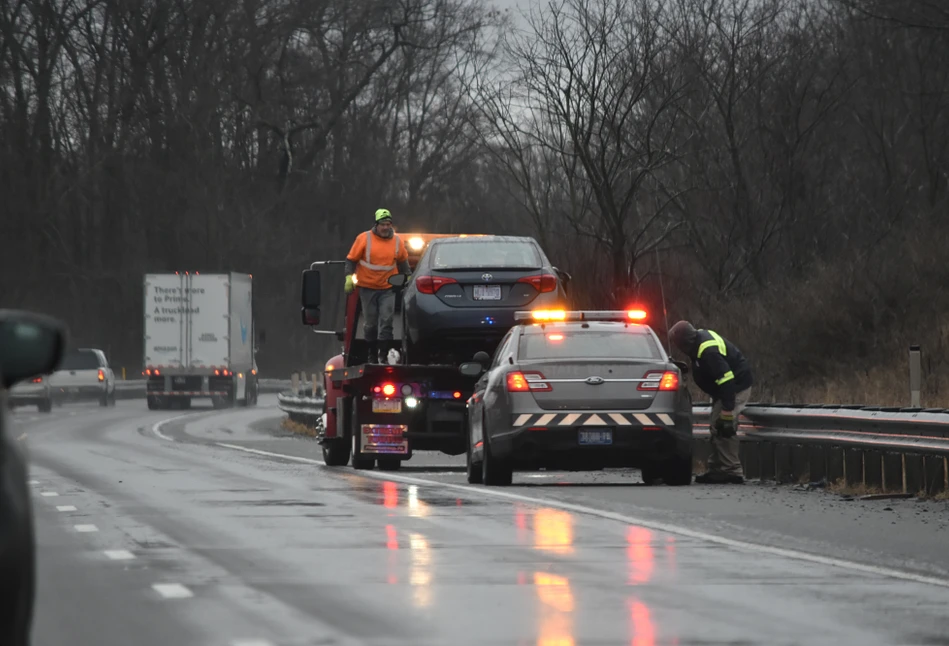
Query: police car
{"points": [[575, 391]]}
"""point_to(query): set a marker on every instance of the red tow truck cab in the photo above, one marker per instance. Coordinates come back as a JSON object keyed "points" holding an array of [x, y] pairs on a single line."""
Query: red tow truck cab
{"points": [[379, 413]]}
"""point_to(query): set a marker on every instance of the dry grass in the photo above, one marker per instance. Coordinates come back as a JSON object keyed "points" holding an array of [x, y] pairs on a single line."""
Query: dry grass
{"points": [[298, 428], [841, 487]]}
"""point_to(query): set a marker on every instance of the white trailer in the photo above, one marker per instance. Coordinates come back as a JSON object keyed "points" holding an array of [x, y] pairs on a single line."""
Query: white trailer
{"points": [[199, 339]]}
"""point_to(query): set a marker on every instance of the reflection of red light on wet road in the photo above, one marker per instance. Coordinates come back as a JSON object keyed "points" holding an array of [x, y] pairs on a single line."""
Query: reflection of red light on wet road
{"points": [[390, 494], [644, 632], [640, 555], [392, 538]]}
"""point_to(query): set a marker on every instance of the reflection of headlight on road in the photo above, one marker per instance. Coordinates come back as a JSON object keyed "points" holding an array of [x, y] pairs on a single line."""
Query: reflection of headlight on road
{"points": [[411, 402], [416, 244]]}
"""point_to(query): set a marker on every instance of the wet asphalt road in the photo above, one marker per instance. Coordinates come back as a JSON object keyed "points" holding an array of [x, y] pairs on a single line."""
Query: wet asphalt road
{"points": [[214, 529]]}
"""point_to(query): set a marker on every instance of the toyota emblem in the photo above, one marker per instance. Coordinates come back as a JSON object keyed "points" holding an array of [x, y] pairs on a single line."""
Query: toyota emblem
{"points": [[486, 277]]}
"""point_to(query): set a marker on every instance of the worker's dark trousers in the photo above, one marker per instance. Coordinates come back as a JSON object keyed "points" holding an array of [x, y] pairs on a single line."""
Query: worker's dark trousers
{"points": [[378, 310]]}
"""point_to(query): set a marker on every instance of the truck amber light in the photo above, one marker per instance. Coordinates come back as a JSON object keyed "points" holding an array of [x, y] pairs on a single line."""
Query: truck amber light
{"points": [[456, 394], [101, 376], [636, 314]]}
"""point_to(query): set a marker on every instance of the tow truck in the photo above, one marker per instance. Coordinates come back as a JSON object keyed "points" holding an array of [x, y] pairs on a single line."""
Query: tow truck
{"points": [[380, 413]]}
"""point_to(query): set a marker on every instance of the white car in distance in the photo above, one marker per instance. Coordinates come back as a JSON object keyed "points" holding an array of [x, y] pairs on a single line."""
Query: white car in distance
{"points": [[84, 374]]}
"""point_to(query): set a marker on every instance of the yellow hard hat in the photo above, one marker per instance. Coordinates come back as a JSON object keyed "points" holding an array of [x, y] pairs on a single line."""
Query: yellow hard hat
{"points": [[383, 214]]}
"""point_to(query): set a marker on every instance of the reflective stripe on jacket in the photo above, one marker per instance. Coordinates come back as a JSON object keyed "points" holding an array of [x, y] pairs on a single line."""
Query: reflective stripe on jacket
{"points": [[720, 369], [377, 259]]}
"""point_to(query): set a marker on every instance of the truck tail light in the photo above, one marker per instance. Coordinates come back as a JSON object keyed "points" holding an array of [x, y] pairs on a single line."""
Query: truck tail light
{"points": [[522, 382], [660, 381], [101, 375], [431, 284], [542, 283]]}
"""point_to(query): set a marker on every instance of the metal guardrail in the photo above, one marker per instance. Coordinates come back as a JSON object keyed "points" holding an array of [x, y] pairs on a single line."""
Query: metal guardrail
{"points": [[885, 449]]}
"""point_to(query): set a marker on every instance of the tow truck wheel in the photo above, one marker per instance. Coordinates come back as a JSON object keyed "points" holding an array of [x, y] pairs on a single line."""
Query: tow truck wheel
{"points": [[336, 452], [359, 463], [389, 464]]}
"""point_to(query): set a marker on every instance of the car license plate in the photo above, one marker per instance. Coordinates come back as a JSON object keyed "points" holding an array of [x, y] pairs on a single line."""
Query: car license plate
{"points": [[386, 405], [596, 436], [487, 292]]}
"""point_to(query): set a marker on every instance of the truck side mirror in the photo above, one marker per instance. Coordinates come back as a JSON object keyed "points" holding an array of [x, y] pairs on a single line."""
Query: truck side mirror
{"points": [[471, 368], [310, 297], [481, 357]]}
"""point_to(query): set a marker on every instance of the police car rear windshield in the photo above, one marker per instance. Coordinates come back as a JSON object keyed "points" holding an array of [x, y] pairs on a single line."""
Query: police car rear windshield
{"points": [[587, 344], [486, 255]]}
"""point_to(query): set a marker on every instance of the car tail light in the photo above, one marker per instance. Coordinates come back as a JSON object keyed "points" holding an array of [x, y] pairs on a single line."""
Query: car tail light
{"points": [[388, 390], [101, 375], [37, 380], [431, 284], [522, 382], [542, 283], [660, 381]]}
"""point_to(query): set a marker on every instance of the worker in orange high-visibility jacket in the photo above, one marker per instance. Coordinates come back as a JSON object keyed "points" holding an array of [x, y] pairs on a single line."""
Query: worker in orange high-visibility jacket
{"points": [[376, 255]]}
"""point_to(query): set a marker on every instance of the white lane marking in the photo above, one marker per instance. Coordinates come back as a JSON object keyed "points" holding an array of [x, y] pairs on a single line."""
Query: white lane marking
{"points": [[631, 520], [34, 482], [251, 642], [119, 555], [65, 508], [172, 590], [156, 428], [86, 528], [49, 494], [665, 419]]}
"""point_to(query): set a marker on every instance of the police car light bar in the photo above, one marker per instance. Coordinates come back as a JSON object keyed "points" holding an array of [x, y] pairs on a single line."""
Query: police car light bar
{"points": [[637, 315]]}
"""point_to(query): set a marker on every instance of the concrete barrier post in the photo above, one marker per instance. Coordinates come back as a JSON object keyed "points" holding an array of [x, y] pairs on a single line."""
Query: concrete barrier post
{"points": [[915, 376], [295, 384]]}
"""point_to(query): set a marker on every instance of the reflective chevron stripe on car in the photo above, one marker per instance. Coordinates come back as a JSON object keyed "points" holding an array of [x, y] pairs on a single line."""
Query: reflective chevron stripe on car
{"points": [[593, 419]]}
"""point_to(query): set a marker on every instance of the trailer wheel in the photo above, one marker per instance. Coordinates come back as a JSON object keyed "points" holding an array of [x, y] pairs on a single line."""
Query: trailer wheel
{"points": [[359, 463]]}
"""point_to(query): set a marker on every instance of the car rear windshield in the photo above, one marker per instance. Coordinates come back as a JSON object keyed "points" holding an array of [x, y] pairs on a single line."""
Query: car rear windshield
{"points": [[80, 360], [486, 255], [587, 344]]}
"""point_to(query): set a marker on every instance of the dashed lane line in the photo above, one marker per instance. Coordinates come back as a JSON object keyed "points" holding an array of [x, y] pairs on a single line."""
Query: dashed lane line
{"points": [[86, 529], [119, 555], [172, 590], [65, 508]]}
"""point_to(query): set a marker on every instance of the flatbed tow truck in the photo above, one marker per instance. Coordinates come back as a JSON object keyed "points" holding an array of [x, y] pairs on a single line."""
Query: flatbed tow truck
{"points": [[381, 413]]}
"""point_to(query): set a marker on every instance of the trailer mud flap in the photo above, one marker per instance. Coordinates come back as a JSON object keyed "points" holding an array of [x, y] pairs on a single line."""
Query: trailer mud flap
{"points": [[387, 439]]}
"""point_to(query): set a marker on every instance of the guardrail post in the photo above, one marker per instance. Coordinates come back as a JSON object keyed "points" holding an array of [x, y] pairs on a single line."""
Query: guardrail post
{"points": [[313, 394], [295, 383], [915, 376]]}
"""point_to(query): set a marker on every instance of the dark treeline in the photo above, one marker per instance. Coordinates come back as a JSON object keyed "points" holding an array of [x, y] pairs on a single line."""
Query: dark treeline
{"points": [[782, 165]]}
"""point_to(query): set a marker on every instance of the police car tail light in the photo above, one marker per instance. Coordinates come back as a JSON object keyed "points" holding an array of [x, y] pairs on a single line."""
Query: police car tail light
{"points": [[101, 375], [660, 381], [522, 382], [431, 284], [37, 380], [543, 283]]}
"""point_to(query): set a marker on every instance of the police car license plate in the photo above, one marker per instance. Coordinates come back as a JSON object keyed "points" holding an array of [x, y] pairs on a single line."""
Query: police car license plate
{"points": [[386, 405], [487, 292], [596, 436]]}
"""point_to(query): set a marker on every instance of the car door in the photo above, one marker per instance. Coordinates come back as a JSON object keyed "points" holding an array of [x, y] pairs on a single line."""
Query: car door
{"points": [[494, 400], [476, 410]]}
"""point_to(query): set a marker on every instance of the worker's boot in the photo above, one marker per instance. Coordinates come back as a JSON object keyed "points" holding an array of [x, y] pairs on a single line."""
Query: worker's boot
{"points": [[373, 354]]}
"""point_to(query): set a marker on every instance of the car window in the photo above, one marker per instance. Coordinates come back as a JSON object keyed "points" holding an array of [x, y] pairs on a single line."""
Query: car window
{"points": [[80, 360], [516, 254], [588, 344], [503, 349]]}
